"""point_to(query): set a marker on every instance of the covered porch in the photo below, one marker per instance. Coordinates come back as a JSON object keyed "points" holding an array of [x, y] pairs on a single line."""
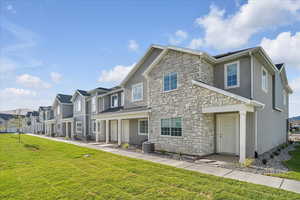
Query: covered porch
{"points": [[50, 127], [123, 127], [67, 127], [235, 129]]}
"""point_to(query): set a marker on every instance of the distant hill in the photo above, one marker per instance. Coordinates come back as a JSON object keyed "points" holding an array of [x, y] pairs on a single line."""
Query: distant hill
{"points": [[294, 118], [21, 111]]}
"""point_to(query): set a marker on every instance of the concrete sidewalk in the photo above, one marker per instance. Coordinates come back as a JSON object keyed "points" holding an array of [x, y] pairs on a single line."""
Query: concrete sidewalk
{"points": [[281, 183]]}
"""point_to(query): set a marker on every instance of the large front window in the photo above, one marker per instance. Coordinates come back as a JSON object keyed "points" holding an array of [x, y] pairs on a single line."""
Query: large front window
{"points": [[137, 92], [170, 81], [143, 127], [114, 101], [232, 76], [171, 127]]}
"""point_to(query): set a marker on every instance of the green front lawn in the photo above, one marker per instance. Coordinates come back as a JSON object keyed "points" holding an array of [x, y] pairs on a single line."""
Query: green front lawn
{"points": [[293, 164], [43, 169]]}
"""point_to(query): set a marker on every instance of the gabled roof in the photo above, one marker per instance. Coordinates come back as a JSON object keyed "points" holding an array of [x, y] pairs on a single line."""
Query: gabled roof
{"points": [[64, 98], [279, 66], [83, 92]]}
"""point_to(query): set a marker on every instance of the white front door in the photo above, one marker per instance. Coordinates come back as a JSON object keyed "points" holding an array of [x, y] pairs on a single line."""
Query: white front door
{"points": [[228, 134], [114, 130], [125, 131]]}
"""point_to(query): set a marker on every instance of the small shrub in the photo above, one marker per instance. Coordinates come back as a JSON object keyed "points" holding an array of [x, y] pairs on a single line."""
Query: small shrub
{"points": [[271, 156], [276, 153], [248, 162], [264, 161], [278, 149], [125, 146]]}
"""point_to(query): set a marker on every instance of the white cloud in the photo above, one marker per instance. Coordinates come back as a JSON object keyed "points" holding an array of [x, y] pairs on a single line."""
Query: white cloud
{"points": [[115, 75], [195, 43], [295, 84], [232, 31], [133, 45], [284, 48], [56, 77], [178, 37], [10, 8], [16, 92], [32, 81], [6, 65]]}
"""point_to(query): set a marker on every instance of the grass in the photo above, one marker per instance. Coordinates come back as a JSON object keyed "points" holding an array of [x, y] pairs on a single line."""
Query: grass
{"points": [[293, 164], [43, 169]]}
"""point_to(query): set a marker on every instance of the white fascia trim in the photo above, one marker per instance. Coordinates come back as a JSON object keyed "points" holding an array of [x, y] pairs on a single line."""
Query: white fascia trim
{"points": [[264, 54], [234, 56], [240, 98], [228, 108], [125, 115], [157, 59]]}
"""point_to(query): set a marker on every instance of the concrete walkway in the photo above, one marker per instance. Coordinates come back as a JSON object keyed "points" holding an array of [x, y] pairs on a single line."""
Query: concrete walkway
{"points": [[275, 182]]}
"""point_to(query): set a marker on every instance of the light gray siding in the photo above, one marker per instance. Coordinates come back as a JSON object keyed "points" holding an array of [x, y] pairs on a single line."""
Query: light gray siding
{"points": [[271, 124], [134, 137], [245, 77], [139, 78]]}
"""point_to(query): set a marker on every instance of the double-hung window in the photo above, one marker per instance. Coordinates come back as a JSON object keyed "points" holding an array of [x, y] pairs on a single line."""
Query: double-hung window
{"points": [[78, 127], [78, 105], [171, 126], [232, 75], [264, 79], [143, 127], [170, 81], [137, 92], [58, 110], [93, 104], [114, 100]]}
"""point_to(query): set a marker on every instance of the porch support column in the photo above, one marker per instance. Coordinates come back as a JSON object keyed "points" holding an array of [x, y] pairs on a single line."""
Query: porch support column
{"points": [[67, 129], [97, 130], [242, 136], [107, 131], [119, 131], [72, 130]]}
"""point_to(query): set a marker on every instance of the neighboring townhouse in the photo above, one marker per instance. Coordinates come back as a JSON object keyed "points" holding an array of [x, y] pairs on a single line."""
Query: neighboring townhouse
{"points": [[49, 122], [32, 121], [85, 107], [11, 123], [42, 117], [190, 102], [63, 116]]}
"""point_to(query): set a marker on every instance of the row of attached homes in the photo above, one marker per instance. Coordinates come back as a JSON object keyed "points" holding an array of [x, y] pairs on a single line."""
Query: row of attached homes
{"points": [[182, 101]]}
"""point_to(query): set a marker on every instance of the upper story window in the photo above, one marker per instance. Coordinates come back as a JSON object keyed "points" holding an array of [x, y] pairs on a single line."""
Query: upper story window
{"points": [[114, 100], [94, 104], [232, 75], [78, 105], [170, 81], [58, 109], [264, 79], [137, 92], [122, 99], [284, 97]]}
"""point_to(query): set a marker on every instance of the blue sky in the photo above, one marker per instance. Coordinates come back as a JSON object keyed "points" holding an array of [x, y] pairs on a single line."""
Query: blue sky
{"points": [[52, 46]]}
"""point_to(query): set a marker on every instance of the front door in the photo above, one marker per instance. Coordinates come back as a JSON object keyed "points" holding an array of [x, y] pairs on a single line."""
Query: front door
{"points": [[227, 134]]}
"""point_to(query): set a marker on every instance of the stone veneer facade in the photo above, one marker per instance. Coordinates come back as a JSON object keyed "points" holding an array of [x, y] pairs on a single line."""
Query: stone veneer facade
{"points": [[198, 129]]}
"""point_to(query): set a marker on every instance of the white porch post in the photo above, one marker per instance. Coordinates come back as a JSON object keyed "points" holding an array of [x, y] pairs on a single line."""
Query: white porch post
{"points": [[72, 130], [107, 131], [119, 131], [97, 130], [242, 136], [67, 129]]}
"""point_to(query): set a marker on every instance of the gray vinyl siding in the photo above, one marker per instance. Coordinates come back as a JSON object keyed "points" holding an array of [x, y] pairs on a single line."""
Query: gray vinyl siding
{"points": [[134, 137], [271, 124], [67, 110], [139, 78], [245, 77], [80, 116], [250, 134]]}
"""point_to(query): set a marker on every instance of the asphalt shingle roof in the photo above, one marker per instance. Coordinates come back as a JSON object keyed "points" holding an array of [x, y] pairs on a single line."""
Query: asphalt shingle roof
{"points": [[64, 98], [83, 92], [279, 66], [231, 53], [6, 116]]}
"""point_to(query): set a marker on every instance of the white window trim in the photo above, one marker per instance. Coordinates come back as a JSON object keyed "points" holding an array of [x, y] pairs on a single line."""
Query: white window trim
{"points": [[58, 109], [111, 100], [163, 82], [139, 133], [78, 105], [238, 75], [78, 122], [262, 80], [142, 96]]}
